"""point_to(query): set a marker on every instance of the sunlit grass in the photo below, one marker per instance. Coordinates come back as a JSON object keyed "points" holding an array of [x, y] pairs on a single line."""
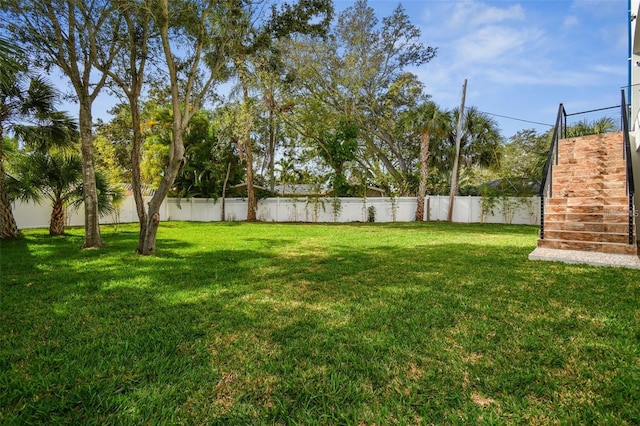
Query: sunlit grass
{"points": [[314, 324]]}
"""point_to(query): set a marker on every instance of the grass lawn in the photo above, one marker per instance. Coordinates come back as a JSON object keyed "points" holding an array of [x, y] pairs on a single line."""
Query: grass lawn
{"points": [[236, 323]]}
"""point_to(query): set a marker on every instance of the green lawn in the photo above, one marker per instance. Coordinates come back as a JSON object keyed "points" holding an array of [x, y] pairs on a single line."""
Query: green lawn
{"points": [[314, 324]]}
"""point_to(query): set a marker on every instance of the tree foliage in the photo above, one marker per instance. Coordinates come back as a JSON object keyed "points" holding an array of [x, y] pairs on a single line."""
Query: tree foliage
{"points": [[27, 111], [361, 72], [337, 148], [207, 159], [56, 175]]}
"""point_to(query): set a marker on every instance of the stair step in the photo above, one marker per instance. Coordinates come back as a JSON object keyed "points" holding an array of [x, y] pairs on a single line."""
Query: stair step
{"points": [[589, 159], [598, 186], [586, 218], [600, 149], [588, 246], [592, 193], [587, 201], [594, 237], [565, 179], [588, 209], [570, 170], [617, 228]]}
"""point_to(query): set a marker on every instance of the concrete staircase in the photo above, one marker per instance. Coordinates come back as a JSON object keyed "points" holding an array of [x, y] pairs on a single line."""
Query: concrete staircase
{"points": [[589, 208]]}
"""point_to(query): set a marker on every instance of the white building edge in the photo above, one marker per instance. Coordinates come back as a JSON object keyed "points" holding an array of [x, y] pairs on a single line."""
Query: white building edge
{"points": [[632, 92]]}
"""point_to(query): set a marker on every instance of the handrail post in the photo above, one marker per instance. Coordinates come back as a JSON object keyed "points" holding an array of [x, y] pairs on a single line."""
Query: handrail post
{"points": [[628, 161], [559, 132]]}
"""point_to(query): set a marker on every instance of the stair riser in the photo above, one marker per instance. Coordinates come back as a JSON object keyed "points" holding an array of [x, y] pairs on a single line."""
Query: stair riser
{"points": [[593, 209], [589, 201], [598, 188], [587, 218], [571, 170], [587, 246], [616, 228], [610, 152], [598, 237], [591, 159], [589, 193]]}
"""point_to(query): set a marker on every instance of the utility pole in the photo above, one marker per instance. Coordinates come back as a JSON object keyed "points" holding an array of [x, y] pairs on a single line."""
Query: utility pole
{"points": [[456, 160]]}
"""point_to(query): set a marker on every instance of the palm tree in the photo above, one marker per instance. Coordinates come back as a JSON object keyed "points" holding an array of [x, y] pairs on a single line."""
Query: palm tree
{"points": [[585, 127], [57, 176], [10, 67], [426, 120], [27, 109], [8, 62], [480, 142]]}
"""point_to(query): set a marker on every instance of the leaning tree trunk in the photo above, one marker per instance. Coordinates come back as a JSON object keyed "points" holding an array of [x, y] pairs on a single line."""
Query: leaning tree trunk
{"points": [[422, 187], [56, 224], [136, 179], [92, 237], [176, 159], [176, 155]]}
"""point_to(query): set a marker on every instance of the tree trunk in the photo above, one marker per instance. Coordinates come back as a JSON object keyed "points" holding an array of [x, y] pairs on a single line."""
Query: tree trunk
{"points": [[183, 109], [136, 179], [224, 192], [176, 159], [92, 238], [8, 226], [272, 150], [422, 187], [252, 201], [56, 224], [153, 215]]}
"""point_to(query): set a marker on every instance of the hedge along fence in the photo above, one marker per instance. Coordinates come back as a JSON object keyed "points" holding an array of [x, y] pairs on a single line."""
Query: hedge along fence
{"points": [[508, 210]]}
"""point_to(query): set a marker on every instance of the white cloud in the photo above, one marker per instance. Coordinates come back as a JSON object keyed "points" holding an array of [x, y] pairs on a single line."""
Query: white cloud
{"points": [[471, 14], [570, 22], [611, 70], [600, 7], [491, 45]]}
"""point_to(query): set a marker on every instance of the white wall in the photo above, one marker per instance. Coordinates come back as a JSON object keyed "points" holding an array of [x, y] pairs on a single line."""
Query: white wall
{"points": [[400, 209], [634, 28]]}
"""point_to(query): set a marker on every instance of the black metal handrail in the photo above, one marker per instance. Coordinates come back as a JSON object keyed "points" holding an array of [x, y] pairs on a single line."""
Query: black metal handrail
{"points": [[627, 156], [559, 132]]}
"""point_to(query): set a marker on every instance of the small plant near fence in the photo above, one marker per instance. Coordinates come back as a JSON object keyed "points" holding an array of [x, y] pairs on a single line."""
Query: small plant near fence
{"points": [[508, 195], [394, 207], [508, 208], [293, 212], [316, 203], [488, 203], [530, 208], [371, 214], [337, 208]]}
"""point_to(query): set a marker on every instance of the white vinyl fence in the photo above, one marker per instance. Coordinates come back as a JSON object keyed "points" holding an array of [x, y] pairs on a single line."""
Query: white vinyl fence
{"points": [[399, 209]]}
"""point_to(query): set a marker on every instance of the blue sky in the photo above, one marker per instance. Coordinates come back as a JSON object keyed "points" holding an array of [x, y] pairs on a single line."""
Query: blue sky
{"points": [[521, 58]]}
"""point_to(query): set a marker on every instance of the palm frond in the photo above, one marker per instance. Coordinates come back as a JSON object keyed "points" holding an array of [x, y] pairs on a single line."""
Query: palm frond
{"points": [[55, 129], [9, 63]]}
